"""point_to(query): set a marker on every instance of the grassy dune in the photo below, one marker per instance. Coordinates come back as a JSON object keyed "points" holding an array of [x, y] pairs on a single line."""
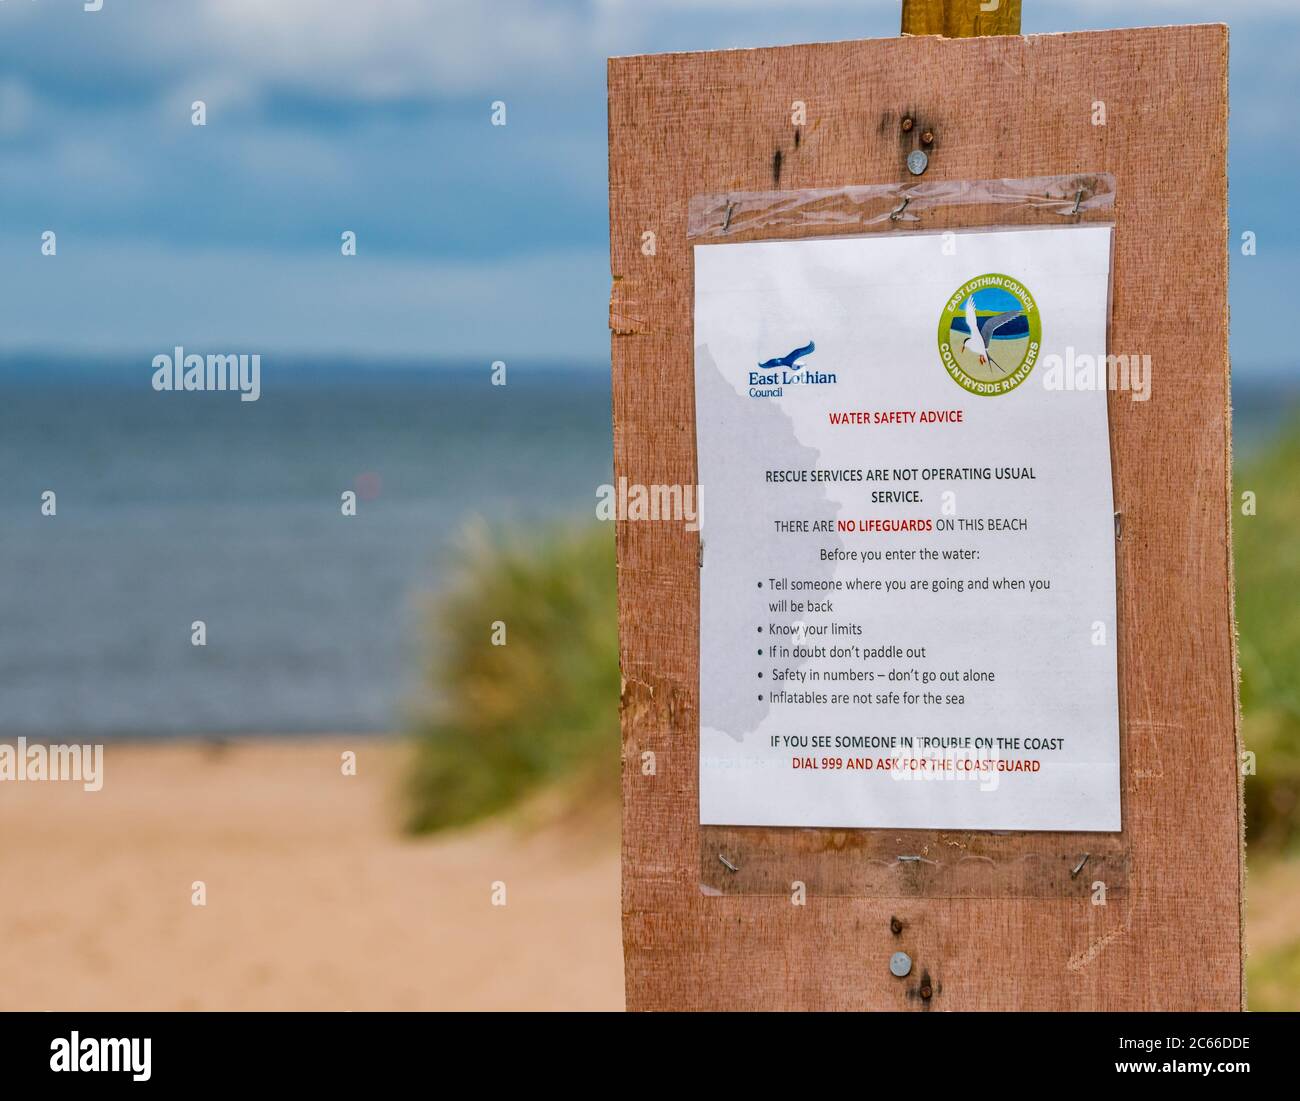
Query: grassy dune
{"points": [[1267, 548], [540, 710]]}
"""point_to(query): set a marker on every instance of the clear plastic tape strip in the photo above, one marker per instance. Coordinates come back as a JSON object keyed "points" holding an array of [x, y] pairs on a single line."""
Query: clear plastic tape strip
{"points": [[741, 212]]}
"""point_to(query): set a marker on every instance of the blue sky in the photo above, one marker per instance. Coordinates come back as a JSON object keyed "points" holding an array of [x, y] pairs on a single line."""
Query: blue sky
{"points": [[474, 242]]}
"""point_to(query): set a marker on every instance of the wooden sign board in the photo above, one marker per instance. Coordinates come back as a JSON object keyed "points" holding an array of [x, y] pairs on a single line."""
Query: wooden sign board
{"points": [[700, 935]]}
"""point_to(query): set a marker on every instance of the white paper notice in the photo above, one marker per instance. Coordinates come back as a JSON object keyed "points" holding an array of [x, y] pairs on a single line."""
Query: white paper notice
{"points": [[907, 599]]}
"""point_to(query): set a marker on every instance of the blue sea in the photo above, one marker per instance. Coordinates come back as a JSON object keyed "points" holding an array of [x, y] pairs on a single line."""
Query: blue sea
{"points": [[174, 507]]}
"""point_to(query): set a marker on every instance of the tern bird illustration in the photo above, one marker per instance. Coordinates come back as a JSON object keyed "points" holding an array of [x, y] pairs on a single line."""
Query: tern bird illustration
{"points": [[981, 335], [788, 360]]}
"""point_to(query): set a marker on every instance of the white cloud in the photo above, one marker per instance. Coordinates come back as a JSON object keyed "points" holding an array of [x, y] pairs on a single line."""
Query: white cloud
{"points": [[380, 50], [384, 49]]}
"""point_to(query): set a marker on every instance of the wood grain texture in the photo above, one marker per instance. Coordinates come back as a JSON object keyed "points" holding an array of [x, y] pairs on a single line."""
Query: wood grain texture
{"points": [[683, 124], [960, 18]]}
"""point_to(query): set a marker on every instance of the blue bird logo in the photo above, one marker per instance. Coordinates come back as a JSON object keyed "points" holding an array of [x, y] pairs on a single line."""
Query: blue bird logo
{"points": [[788, 360]]}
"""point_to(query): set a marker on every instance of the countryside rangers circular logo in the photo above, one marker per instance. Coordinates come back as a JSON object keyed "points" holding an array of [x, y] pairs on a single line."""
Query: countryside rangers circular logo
{"points": [[989, 334]]}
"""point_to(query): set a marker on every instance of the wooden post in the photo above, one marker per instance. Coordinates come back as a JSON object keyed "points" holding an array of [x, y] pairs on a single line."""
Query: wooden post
{"points": [[961, 18], [1148, 107]]}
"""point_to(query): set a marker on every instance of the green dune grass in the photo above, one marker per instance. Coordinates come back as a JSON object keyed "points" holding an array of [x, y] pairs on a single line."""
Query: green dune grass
{"points": [[540, 710], [1267, 553], [1267, 548]]}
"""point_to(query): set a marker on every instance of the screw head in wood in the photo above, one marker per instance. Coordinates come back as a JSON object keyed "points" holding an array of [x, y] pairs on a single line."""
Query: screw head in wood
{"points": [[900, 965], [917, 161]]}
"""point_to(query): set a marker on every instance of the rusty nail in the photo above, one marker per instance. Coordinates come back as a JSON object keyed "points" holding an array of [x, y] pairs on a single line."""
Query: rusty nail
{"points": [[925, 990], [927, 137], [907, 124], [895, 926]]}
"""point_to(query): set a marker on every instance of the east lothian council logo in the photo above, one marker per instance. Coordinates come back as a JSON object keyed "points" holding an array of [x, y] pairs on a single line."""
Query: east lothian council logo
{"points": [[773, 375], [990, 333]]}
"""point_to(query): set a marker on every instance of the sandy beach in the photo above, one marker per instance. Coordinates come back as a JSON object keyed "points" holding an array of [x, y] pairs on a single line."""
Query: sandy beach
{"points": [[314, 899]]}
